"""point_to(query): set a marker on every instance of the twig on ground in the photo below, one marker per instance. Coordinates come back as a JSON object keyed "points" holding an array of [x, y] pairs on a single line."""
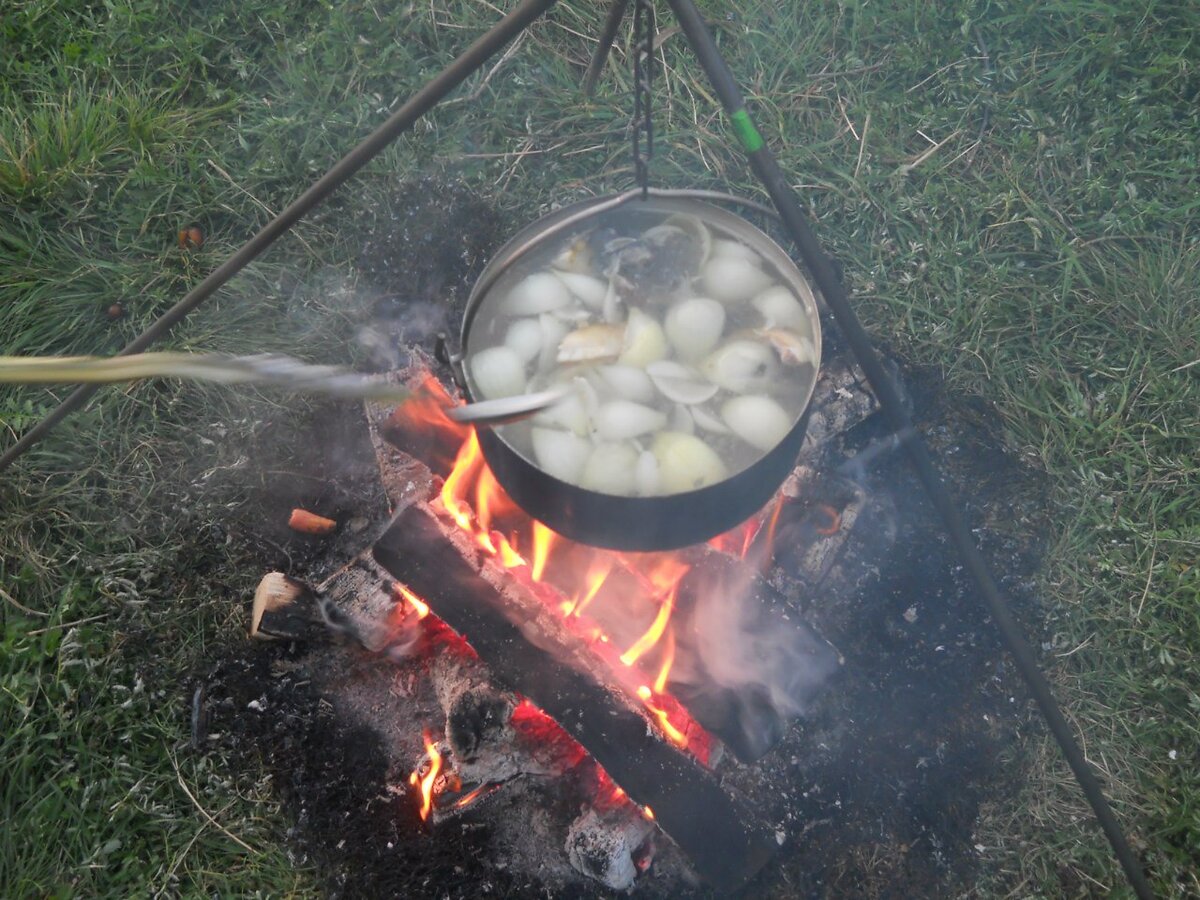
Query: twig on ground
{"points": [[862, 144], [225, 831], [38, 631], [908, 167], [9, 598]]}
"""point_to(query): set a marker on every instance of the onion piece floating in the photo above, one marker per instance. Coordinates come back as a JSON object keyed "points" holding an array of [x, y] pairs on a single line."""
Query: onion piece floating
{"points": [[731, 249], [573, 412], [732, 279], [644, 340], [708, 420], [620, 420], [779, 308], [524, 337], [498, 372], [758, 420], [553, 331], [587, 288], [561, 453], [742, 365], [627, 382], [646, 476], [686, 463], [611, 469], [591, 343], [680, 383], [537, 293], [694, 326]]}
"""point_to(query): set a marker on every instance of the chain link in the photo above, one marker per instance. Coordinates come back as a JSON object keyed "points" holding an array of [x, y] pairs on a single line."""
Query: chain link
{"points": [[643, 79]]}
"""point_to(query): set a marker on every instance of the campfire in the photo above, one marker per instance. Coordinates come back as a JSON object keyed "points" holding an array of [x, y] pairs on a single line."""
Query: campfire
{"points": [[642, 680]]}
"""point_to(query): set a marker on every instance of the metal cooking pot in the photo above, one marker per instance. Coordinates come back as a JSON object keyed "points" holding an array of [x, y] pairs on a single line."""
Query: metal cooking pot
{"points": [[639, 523]]}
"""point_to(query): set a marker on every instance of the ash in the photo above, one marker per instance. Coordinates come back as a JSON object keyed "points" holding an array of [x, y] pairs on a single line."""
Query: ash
{"points": [[874, 792]]}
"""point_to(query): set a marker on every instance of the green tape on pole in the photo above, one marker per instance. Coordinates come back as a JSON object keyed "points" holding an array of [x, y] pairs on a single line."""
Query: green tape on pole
{"points": [[747, 134]]}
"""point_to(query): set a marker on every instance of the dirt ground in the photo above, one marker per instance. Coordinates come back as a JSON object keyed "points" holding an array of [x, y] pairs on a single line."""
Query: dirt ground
{"points": [[889, 770]]}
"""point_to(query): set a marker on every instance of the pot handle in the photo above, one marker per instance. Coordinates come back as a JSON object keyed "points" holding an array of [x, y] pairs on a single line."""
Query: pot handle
{"points": [[453, 360]]}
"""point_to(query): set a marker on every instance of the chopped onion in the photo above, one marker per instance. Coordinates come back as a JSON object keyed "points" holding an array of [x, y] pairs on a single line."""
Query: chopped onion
{"points": [[646, 475], [686, 463], [680, 383], [611, 469], [644, 340], [524, 337], [619, 420], [627, 382], [537, 293], [758, 420], [732, 279], [498, 372], [694, 326], [780, 309], [588, 289], [561, 453]]}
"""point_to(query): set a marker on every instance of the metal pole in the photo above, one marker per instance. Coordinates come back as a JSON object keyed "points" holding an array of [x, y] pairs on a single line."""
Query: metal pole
{"points": [[616, 12], [762, 161], [403, 119]]}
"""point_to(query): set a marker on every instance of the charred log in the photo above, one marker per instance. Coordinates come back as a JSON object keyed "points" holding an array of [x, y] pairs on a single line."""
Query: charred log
{"points": [[726, 845]]}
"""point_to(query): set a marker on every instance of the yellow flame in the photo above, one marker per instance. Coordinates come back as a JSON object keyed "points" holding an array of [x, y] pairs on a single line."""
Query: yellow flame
{"points": [[650, 638], [660, 683], [413, 600], [543, 538], [426, 782], [469, 458]]}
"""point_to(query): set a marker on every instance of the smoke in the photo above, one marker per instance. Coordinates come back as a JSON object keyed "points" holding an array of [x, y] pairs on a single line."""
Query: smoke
{"points": [[750, 665]]}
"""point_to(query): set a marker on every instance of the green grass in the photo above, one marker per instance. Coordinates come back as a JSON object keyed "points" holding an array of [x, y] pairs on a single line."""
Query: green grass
{"points": [[1044, 255]]}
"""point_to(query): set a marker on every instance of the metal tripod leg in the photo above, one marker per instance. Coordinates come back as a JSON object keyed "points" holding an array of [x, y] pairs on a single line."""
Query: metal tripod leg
{"points": [[762, 161], [616, 12]]}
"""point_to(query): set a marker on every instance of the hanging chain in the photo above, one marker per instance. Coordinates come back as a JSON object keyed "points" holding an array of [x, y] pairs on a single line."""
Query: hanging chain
{"points": [[643, 78]]}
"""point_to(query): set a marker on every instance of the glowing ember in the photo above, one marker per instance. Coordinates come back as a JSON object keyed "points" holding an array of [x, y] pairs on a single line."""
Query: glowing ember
{"points": [[648, 813], [833, 518], [471, 797], [421, 607], [426, 783]]}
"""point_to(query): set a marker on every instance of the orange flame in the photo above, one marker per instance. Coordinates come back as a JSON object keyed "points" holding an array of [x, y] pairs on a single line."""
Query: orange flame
{"points": [[509, 556], [426, 783], [543, 539], [468, 799], [648, 813], [454, 491], [597, 574], [664, 722], [653, 633], [660, 683], [413, 600]]}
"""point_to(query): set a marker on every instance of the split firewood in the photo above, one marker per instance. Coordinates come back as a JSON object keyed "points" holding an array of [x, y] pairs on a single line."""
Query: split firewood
{"points": [[285, 609]]}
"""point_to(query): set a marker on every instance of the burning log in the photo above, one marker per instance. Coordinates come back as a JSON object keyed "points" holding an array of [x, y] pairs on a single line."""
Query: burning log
{"points": [[721, 838]]}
